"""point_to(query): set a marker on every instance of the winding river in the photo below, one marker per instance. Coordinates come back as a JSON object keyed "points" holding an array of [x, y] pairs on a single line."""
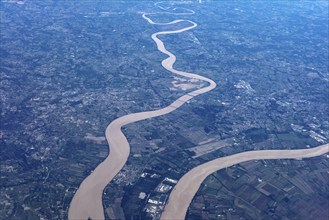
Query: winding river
{"points": [[87, 201]]}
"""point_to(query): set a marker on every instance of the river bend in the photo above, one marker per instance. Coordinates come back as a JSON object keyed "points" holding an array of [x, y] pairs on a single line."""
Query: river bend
{"points": [[87, 201]]}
